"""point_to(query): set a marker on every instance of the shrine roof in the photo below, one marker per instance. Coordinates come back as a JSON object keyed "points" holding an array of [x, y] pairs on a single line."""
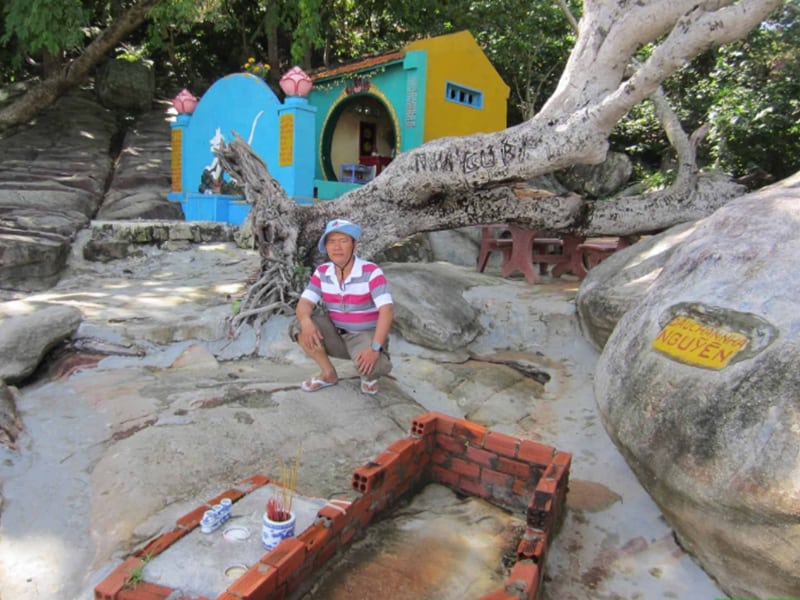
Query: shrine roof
{"points": [[362, 64]]}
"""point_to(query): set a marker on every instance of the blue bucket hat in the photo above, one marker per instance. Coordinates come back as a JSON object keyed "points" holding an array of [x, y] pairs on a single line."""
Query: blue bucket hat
{"points": [[341, 226]]}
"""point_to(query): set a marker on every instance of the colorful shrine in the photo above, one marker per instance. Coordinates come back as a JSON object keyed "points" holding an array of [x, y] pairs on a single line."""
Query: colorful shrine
{"points": [[336, 129]]}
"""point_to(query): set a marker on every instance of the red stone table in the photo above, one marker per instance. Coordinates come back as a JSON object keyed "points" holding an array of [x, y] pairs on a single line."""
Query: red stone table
{"points": [[531, 248], [526, 250]]}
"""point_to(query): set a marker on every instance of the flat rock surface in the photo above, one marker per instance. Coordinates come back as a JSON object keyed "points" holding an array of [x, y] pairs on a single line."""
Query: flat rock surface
{"points": [[117, 447]]}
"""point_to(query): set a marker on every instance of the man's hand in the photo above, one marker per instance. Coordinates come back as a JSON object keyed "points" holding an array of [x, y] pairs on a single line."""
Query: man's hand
{"points": [[366, 360], [310, 338]]}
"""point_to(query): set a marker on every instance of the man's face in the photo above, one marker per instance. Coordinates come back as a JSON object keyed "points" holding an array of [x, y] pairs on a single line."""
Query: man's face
{"points": [[339, 247]]}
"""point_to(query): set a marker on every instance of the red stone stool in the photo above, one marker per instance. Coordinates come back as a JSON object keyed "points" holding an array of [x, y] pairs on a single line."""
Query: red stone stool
{"points": [[492, 240]]}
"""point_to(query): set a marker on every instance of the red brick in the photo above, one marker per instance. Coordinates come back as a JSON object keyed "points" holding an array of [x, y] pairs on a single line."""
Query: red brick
{"points": [[473, 488], [423, 461], [500, 595], [287, 558], [145, 591], [161, 543], [440, 457], [501, 444], [232, 493], [259, 581], [482, 457], [361, 509], [554, 471], [448, 444], [445, 477], [403, 488], [462, 467], [314, 537], [368, 477], [252, 483], [539, 514], [408, 448], [469, 431], [524, 578], [514, 467], [547, 485], [383, 501], [192, 519], [532, 546], [332, 519], [523, 487], [534, 452], [496, 478], [416, 469], [327, 552], [562, 458], [348, 534], [115, 581], [388, 460], [445, 424], [424, 424], [541, 500]]}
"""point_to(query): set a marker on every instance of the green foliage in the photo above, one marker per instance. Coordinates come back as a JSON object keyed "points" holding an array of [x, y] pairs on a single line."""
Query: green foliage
{"points": [[45, 25], [308, 32], [755, 119], [528, 43], [300, 275], [747, 92], [641, 137], [136, 576], [131, 53]]}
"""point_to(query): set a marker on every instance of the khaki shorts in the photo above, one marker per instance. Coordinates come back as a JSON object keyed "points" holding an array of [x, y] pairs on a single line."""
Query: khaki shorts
{"points": [[342, 344]]}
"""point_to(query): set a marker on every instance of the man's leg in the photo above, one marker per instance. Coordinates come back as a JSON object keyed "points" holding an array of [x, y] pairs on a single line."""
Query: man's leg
{"points": [[356, 342], [332, 345]]}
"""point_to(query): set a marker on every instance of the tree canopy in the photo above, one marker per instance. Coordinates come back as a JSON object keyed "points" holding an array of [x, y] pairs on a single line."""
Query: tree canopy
{"points": [[745, 92]]}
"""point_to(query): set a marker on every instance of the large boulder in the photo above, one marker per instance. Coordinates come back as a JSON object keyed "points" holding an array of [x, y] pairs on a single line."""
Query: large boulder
{"points": [[619, 283], [430, 309], [53, 174], [698, 386], [26, 338], [125, 84], [599, 180], [31, 261]]}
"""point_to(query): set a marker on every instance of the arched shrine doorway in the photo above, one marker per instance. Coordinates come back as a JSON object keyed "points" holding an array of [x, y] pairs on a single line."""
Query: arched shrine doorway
{"points": [[362, 131]]}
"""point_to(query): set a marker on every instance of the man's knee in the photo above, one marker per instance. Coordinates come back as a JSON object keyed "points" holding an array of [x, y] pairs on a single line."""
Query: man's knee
{"points": [[294, 330]]}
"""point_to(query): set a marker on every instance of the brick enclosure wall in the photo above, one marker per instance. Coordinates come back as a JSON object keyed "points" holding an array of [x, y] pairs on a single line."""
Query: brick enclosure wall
{"points": [[513, 473]]}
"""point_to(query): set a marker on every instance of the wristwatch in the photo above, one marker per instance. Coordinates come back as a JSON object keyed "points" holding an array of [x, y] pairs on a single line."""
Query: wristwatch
{"points": [[376, 346]]}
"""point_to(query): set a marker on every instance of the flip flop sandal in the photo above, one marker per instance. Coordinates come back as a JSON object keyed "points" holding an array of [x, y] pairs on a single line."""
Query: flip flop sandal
{"points": [[314, 384], [369, 387]]}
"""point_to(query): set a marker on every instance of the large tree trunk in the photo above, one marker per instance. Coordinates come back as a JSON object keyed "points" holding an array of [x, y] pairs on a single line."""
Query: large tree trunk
{"points": [[73, 73], [454, 182]]}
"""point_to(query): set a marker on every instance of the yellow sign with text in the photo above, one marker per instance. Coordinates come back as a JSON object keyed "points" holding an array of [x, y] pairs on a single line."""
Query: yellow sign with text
{"points": [[177, 160], [694, 343], [286, 140]]}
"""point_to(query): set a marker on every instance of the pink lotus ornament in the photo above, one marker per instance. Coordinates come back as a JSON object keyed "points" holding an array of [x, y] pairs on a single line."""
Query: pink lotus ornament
{"points": [[295, 82], [185, 102]]}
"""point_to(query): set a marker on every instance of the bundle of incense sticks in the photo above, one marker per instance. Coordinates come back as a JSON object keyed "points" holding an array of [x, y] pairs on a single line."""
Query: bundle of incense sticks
{"points": [[279, 506]]}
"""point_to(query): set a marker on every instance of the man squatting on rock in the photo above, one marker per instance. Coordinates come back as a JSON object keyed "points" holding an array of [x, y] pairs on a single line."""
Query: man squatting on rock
{"points": [[356, 312]]}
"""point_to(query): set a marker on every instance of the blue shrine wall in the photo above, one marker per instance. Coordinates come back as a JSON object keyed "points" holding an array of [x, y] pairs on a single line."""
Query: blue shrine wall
{"points": [[241, 104]]}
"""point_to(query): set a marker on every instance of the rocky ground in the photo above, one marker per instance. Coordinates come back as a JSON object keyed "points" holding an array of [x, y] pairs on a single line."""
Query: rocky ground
{"points": [[154, 408], [116, 447]]}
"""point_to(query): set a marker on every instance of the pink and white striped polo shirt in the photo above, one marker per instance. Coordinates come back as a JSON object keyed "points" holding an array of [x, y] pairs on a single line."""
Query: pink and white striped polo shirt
{"points": [[354, 305]]}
